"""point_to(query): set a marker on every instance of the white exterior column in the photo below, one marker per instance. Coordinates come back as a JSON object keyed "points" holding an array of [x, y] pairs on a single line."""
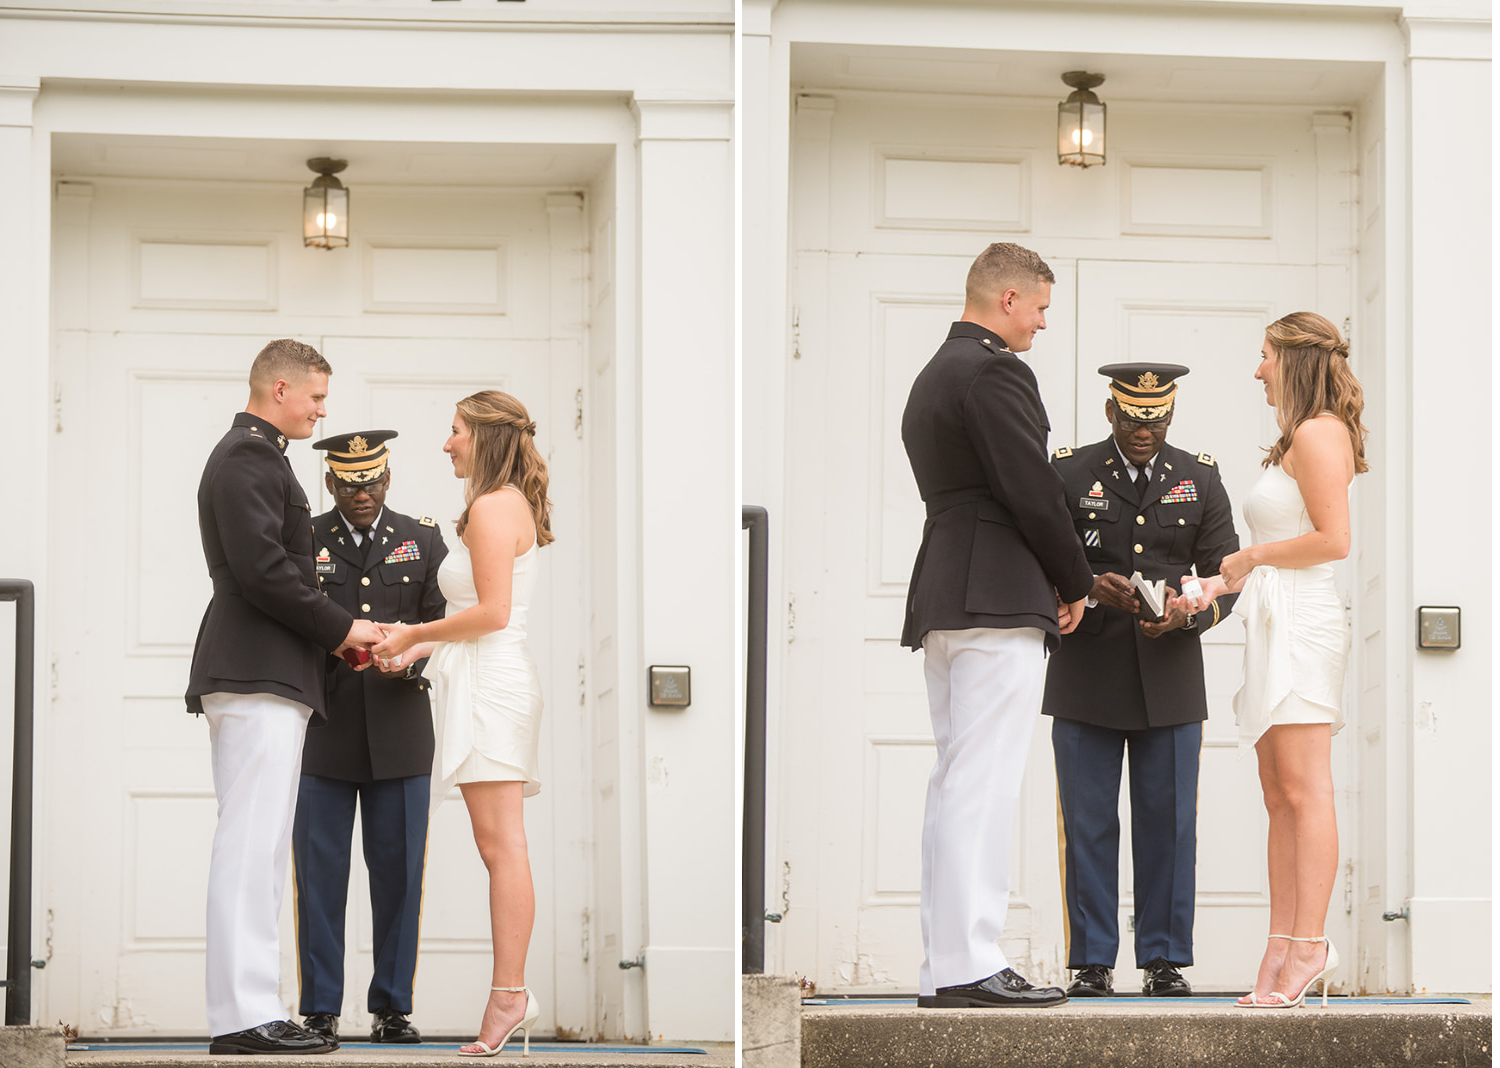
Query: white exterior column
{"points": [[1451, 295], [24, 211], [23, 310], [688, 519]]}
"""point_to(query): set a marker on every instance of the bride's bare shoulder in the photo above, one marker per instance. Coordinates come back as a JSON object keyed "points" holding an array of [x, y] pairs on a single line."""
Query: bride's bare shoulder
{"points": [[1321, 431], [499, 506]]}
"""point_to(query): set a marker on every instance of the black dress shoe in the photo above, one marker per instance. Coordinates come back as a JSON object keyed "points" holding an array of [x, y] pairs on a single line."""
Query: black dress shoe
{"points": [[1163, 980], [322, 1023], [1002, 990], [392, 1026], [278, 1036], [1092, 981]]}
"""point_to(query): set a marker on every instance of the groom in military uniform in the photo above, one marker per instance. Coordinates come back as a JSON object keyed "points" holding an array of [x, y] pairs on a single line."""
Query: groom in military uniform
{"points": [[1124, 687], [376, 747]]}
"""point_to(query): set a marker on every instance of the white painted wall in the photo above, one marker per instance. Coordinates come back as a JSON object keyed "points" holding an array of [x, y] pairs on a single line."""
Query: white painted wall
{"points": [[654, 87]]}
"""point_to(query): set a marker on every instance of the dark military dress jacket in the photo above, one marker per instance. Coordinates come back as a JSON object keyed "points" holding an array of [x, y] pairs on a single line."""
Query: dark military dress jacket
{"points": [[998, 537], [267, 629], [378, 727], [1108, 672]]}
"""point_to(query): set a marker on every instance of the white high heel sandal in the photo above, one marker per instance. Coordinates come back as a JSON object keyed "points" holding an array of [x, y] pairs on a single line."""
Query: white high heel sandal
{"points": [[1281, 1001], [524, 1025], [1252, 1003]]}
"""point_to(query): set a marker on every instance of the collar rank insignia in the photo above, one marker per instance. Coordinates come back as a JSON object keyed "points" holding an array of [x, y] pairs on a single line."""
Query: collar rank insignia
{"points": [[1097, 489], [1181, 493], [404, 552]]}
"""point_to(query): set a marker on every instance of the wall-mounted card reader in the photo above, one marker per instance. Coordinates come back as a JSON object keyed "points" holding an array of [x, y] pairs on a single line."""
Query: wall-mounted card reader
{"points": [[671, 687], [1438, 627]]}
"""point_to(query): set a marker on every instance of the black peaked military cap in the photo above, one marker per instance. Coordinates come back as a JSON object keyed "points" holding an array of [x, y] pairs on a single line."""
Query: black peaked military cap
{"points": [[1143, 391], [357, 457]]}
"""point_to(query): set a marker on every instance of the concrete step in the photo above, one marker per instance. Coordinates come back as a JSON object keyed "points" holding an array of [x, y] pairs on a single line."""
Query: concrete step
{"points": [[1150, 1033], [365, 1055]]}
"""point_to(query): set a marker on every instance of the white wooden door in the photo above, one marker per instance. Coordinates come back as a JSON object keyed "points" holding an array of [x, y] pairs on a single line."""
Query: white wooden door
{"points": [[1210, 318], [892, 198], [156, 404]]}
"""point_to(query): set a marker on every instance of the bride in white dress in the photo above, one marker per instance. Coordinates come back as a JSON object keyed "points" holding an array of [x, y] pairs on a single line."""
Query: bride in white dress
{"points": [[486, 690], [1296, 638]]}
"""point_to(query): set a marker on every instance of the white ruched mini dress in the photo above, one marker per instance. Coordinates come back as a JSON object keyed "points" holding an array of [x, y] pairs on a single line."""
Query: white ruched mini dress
{"points": [[487, 693], [1296, 634]]}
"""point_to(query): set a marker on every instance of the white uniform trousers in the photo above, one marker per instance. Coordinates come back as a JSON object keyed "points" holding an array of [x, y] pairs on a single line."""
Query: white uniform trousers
{"points": [[984, 689], [256, 742]]}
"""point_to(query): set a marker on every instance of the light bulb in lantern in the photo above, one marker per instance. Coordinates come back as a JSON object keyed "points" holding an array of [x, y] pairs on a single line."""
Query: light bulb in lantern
{"points": [[329, 220], [1083, 137]]}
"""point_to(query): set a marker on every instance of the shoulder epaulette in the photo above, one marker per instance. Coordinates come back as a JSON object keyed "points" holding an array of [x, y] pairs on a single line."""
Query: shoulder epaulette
{"points": [[427, 521], [1063, 453], [1205, 458]]}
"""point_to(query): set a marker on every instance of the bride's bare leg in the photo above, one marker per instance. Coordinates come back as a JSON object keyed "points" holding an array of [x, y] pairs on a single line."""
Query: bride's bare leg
{"points": [[500, 834], [1305, 770], [1281, 859]]}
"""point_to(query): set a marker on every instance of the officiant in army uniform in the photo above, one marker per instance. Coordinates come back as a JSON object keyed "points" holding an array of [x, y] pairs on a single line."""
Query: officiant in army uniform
{"points": [[1123, 687], [376, 748]]}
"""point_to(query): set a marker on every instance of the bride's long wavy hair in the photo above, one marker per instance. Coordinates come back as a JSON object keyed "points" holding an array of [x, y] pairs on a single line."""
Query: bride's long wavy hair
{"points": [[1312, 377], [503, 451]]}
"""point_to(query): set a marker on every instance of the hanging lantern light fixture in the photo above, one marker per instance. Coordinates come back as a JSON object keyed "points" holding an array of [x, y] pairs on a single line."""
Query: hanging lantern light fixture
{"points": [[325, 206], [1080, 122]]}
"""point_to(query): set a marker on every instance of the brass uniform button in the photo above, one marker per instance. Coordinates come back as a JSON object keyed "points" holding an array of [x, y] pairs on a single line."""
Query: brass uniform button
{"points": [[365, 581], [366, 608], [1182, 522], [1092, 515], [405, 578], [1137, 549], [1139, 520]]}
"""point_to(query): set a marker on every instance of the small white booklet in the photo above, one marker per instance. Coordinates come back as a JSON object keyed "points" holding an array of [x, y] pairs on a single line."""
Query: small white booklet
{"points": [[1153, 596]]}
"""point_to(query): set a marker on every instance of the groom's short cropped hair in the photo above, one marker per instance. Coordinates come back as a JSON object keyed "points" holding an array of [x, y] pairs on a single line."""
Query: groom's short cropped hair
{"points": [[1003, 266], [285, 360]]}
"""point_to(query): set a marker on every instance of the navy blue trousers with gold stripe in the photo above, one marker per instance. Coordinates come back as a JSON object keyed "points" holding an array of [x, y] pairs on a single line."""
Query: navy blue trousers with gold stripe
{"points": [[393, 818], [1163, 835]]}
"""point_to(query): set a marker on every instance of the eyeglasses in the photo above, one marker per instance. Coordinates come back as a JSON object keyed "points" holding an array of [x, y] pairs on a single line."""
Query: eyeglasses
{"points": [[378, 486], [1130, 426]]}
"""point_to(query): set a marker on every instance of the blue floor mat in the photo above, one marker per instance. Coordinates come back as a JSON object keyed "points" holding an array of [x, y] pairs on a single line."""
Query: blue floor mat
{"points": [[441, 1044], [1166, 1003]]}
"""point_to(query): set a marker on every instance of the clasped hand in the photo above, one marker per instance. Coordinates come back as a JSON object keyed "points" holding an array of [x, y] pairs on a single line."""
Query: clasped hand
{"points": [[377, 639]]}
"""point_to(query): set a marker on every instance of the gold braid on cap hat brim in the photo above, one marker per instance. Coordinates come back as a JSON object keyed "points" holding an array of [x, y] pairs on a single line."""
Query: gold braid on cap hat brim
{"points": [[1145, 409], [365, 469]]}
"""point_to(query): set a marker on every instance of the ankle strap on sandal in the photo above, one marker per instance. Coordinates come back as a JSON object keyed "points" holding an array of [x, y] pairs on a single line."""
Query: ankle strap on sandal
{"points": [[1294, 938], [510, 989]]}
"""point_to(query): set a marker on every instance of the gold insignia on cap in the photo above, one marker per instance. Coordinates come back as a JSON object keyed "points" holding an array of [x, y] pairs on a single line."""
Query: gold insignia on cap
{"points": [[1148, 381], [358, 445]]}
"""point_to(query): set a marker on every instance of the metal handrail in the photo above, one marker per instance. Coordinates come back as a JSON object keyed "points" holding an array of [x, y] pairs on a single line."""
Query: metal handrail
{"points": [[753, 878], [18, 934]]}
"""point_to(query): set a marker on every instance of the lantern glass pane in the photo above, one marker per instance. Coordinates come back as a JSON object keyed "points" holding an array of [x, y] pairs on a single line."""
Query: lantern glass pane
{"points": [[1093, 134], [1068, 124]]}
